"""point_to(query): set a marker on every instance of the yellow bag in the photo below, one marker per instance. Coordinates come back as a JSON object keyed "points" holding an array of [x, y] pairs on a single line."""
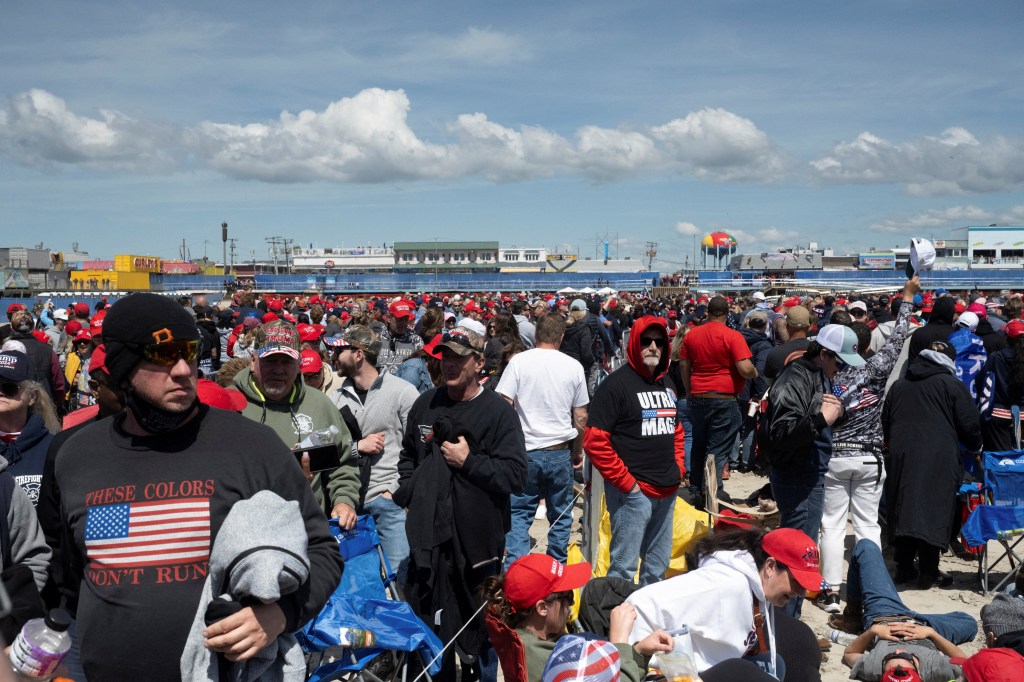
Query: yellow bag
{"points": [[574, 556], [688, 526]]}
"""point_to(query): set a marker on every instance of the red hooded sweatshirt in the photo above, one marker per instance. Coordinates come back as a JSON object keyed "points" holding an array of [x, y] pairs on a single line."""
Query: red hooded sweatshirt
{"points": [[632, 433]]}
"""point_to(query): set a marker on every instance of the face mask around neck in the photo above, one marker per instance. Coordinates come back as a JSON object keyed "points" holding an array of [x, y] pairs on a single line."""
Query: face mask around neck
{"points": [[156, 420]]}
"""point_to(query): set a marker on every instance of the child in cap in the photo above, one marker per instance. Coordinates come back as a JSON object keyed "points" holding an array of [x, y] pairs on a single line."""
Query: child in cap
{"points": [[535, 597]]}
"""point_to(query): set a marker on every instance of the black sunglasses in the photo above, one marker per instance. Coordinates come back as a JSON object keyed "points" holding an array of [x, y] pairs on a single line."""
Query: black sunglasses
{"points": [[167, 354], [10, 389], [902, 656], [658, 341]]}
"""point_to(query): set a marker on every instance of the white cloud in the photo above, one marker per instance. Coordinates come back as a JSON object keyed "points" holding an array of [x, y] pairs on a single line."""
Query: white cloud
{"points": [[953, 163], [947, 218], [687, 229], [37, 129], [367, 138], [475, 46], [720, 145]]}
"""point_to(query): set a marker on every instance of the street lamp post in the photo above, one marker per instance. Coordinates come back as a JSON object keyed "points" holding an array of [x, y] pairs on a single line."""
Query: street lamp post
{"points": [[224, 239]]}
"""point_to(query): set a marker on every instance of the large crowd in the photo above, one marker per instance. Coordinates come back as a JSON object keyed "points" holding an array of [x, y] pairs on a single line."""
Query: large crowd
{"points": [[169, 467]]}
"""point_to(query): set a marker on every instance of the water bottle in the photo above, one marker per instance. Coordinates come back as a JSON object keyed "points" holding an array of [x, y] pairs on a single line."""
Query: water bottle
{"points": [[356, 638], [842, 638], [320, 437], [41, 646]]}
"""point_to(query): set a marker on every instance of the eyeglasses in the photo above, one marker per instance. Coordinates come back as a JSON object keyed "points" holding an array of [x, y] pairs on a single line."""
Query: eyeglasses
{"points": [[840, 363], [10, 389], [658, 341], [167, 354]]}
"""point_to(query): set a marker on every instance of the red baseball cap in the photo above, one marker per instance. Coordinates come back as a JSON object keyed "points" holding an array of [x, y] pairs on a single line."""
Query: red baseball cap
{"points": [[1014, 328], [82, 336], [534, 576], [470, 307], [81, 309], [900, 674], [401, 308], [13, 308], [798, 553], [212, 394], [311, 362], [72, 327], [96, 323], [308, 332], [98, 359], [430, 348], [992, 665], [269, 317]]}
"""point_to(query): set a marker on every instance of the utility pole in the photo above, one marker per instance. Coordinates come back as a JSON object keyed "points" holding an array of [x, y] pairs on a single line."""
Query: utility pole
{"points": [[273, 241], [233, 240], [287, 250], [652, 251]]}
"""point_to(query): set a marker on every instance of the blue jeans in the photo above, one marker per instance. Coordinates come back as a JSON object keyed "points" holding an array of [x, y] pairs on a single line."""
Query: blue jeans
{"points": [[716, 421], [641, 526], [683, 417], [390, 520], [868, 582], [742, 454], [548, 478], [801, 500]]}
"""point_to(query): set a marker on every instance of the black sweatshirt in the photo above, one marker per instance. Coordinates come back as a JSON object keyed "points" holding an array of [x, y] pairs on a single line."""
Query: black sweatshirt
{"points": [[169, 495]]}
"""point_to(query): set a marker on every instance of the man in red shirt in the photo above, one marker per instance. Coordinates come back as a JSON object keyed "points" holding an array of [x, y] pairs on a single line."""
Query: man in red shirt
{"points": [[714, 362]]}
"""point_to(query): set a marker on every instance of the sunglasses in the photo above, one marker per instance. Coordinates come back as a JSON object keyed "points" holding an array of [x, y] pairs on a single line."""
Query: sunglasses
{"points": [[902, 656], [167, 354], [658, 341], [10, 389], [840, 363]]}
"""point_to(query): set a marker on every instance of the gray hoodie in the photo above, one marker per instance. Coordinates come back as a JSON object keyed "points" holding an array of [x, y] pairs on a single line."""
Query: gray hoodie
{"points": [[260, 552]]}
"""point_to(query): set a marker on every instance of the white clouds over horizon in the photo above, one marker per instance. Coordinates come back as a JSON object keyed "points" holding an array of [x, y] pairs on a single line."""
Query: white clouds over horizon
{"points": [[953, 163], [367, 138], [942, 219]]}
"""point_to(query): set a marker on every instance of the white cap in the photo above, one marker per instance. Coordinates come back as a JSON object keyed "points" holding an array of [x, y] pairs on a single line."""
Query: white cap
{"points": [[922, 256], [60, 314], [858, 305], [842, 341], [968, 320], [472, 325], [758, 295]]}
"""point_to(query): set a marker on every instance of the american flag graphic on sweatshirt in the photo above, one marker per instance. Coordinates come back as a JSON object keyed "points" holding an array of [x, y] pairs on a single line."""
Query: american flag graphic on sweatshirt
{"points": [[156, 533]]}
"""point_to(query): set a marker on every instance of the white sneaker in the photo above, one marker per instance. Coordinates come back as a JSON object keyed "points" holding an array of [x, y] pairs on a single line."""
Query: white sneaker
{"points": [[542, 511], [828, 602]]}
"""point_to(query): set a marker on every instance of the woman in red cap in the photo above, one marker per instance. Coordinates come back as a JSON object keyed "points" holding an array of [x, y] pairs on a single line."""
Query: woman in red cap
{"points": [[732, 605], [535, 598]]}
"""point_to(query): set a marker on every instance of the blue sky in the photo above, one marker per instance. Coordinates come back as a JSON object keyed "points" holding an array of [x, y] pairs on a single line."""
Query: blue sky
{"points": [[127, 127]]}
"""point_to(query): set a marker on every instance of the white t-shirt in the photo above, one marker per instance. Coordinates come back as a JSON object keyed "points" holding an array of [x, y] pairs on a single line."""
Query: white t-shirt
{"points": [[544, 385]]}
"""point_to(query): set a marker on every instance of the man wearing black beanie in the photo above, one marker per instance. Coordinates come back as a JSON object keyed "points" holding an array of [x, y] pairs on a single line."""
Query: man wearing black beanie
{"points": [[145, 493]]}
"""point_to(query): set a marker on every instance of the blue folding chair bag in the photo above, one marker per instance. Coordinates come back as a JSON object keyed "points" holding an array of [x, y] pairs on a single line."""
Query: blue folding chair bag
{"points": [[1004, 476], [393, 623]]}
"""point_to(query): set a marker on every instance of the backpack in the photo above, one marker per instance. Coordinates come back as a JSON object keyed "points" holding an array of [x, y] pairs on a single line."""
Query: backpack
{"points": [[970, 357]]}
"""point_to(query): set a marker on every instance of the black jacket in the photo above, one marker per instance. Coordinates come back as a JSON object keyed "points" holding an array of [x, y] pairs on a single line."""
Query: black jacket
{"points": [[759, 346], [939, 327], [793, 435], [924, 418], [578, 344]]}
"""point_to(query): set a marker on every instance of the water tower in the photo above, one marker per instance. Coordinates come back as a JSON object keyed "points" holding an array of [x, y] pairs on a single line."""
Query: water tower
{"points": [[717, 249]]}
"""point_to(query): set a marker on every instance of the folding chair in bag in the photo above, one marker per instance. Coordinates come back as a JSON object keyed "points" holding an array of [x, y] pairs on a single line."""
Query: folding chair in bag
{"points": [[1000, 517], [732, 515], [366, 601]]}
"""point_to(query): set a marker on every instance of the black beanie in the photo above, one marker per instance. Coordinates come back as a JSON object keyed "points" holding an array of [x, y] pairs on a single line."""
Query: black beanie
{"points": [[137, 321]]}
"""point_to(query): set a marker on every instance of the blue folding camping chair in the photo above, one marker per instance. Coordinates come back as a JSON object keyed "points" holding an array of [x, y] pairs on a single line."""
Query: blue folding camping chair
{"points": [[366, 600], [1001, 515]]}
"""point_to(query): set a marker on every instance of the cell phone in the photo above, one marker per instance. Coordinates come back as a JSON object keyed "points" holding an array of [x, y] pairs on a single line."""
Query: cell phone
{"points": [[321, 457]]}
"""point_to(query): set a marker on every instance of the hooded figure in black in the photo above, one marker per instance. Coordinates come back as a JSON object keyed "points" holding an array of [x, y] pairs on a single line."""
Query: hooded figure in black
{"points": [[924, 418], [939, 327]]}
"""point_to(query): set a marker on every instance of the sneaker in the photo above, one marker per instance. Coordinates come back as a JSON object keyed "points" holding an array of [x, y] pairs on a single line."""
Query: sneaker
{"points": [[828, 602], [542, 512]]}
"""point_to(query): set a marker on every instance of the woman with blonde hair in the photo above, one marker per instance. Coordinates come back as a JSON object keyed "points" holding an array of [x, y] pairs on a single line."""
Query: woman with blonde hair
{"points": [[28, 421]]}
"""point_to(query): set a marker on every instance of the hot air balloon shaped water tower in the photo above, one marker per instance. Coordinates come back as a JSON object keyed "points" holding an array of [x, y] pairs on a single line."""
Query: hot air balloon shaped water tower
{"points": [[717, 249]]}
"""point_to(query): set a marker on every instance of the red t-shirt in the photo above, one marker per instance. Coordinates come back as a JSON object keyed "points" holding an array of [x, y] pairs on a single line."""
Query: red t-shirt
{"points": [[713, 351]]}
